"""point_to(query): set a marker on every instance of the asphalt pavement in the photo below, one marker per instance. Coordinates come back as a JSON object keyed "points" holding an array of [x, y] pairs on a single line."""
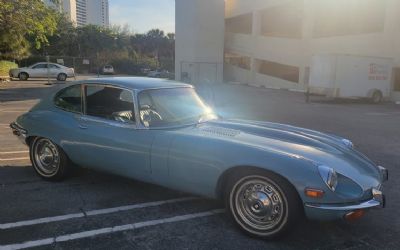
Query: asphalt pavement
{"points": [[93, 210]]}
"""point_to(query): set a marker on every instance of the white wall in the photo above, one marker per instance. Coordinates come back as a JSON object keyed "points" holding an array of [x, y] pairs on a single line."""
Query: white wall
{"points": [[199, 40]]}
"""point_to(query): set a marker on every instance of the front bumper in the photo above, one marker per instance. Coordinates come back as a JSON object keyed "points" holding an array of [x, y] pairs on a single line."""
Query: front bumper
{"points": [[18, 131], [338, 211]]}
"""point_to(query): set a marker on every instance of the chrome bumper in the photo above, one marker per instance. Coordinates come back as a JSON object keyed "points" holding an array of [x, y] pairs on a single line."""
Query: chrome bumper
{"points": [[378, 201], [18, 131]]}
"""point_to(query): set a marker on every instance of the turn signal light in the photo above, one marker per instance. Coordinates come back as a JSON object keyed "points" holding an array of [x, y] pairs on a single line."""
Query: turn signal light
{"points": [[355, 215], [314, 193]]}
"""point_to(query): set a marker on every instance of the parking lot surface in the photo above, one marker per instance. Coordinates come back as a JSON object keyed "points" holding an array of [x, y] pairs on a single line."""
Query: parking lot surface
{"points": [[92, 210]]}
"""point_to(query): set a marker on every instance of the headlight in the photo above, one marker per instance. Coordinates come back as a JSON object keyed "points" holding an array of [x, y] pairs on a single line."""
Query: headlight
{"points": [[329, 176], [348, 143]]}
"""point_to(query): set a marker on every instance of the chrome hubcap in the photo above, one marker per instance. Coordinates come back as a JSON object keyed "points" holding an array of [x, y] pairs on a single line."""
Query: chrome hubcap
{"points": [[260, 204], [46, 157]]}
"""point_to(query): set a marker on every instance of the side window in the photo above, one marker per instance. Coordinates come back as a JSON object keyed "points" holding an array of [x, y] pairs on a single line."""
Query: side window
{"points": [[70, 99], [53, 66], [40, 66], [110, 103]]}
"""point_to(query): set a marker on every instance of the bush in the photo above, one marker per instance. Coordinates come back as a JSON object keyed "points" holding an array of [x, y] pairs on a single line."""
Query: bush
{"points": [[5, 66]]}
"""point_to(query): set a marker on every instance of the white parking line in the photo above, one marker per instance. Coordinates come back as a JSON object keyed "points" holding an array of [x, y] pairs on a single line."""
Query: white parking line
{"points": [[108, 230], [14, 152], [13, 111], [91, 213], [14, 159]]}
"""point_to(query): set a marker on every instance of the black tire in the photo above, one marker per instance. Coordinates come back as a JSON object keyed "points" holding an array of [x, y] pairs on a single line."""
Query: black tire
{"points": [[62, 77], [279, 204], [377, 97], [48, 159], [23, 76]]}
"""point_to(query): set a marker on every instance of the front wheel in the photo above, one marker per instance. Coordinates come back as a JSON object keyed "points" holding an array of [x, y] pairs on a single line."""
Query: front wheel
{"points": [[262, 204], [49, 160]]}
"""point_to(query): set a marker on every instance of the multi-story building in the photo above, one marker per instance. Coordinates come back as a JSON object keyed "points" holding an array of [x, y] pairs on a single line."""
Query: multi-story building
{"points": [[83, 12], [97, 12], [271, 42], [66, 6]]}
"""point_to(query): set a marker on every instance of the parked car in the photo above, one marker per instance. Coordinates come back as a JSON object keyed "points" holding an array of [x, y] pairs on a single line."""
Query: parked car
{"points": [[161, 132], [42, 70], [159, 73], [107, 70]]}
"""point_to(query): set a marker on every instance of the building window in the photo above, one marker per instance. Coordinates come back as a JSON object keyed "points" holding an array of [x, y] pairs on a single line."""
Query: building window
{"points": [[282, 21], [237, 60], [281, 71], [348, 17], [242, 24]]}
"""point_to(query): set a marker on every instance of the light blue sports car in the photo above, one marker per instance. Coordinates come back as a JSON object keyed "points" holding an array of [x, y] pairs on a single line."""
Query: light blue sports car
{"points": [[161, 132]]}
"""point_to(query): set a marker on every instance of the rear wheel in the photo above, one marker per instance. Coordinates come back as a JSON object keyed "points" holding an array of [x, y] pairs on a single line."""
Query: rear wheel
{"points": [[62, 77], [377, 97], [49, 160], [23, 76], [262, 204]]}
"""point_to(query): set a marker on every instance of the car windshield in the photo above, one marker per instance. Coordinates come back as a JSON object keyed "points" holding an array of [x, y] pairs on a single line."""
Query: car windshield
{"points": [[172, 107]]}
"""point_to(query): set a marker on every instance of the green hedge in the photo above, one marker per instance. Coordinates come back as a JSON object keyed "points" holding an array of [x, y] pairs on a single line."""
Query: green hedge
{"points": [[5, 66]]}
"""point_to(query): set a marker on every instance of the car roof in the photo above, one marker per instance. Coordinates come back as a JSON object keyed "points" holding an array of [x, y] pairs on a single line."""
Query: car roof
{"points": [[136, 83], [48, 63]]}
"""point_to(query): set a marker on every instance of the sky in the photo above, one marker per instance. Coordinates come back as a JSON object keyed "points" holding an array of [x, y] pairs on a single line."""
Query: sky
{"points": [[143, 15]]}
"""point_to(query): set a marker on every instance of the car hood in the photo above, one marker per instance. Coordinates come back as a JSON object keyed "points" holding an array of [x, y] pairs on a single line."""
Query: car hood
{"points": [[319, 148]]}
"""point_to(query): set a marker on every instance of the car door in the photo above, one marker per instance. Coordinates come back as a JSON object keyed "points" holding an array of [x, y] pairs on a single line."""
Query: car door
{"points": [[110, 140], [38, 70], [54, 70]]}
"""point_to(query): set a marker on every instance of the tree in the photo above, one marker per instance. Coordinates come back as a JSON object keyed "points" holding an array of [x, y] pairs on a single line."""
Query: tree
{"points": [[24, 24]]}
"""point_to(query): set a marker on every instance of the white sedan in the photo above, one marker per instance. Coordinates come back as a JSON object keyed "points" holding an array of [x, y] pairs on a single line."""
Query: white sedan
{"points": [[41, 70]]}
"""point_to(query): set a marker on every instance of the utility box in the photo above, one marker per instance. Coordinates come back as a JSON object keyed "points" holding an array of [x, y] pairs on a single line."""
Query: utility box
{"points": [[348, 76], [199, 40]]}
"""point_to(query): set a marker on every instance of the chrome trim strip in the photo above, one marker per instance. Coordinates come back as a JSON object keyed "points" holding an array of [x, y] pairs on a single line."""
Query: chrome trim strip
{"points": [[367, 204], [19, 132], [378, 201]]}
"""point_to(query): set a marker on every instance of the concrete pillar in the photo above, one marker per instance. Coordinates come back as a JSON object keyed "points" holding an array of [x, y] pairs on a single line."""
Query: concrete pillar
{"points": [[199, 45]]}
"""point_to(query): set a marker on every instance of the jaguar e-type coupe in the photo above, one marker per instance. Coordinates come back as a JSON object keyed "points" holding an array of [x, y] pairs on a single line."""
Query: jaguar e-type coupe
{"points": [[161, 132]]}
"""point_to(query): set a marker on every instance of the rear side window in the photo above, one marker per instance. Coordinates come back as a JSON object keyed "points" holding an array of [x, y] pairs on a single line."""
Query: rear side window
{"points": [[53, 66], [40, 66], [110, 103], [70, 99]]}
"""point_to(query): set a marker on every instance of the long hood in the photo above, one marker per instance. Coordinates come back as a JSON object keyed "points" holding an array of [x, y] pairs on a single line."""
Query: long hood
{"points": [[317, 147]]}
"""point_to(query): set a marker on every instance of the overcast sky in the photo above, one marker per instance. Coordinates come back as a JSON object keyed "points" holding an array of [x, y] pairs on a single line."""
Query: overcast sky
{"points": [[143, 15]]}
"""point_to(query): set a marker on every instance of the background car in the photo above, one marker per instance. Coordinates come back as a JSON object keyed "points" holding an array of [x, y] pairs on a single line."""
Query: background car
{"points": [[107, 70], [159, 73], [160, 131], [42, 70]]}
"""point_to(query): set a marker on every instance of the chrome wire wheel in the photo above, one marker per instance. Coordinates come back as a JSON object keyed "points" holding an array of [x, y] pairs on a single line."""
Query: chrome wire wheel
{"points": [[46, 157], [259, 205]]}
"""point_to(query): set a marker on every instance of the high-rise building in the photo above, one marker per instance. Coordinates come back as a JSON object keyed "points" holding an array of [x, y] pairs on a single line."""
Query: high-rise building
{"points": [[97, 12], [66, 6], [83, 12]]}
